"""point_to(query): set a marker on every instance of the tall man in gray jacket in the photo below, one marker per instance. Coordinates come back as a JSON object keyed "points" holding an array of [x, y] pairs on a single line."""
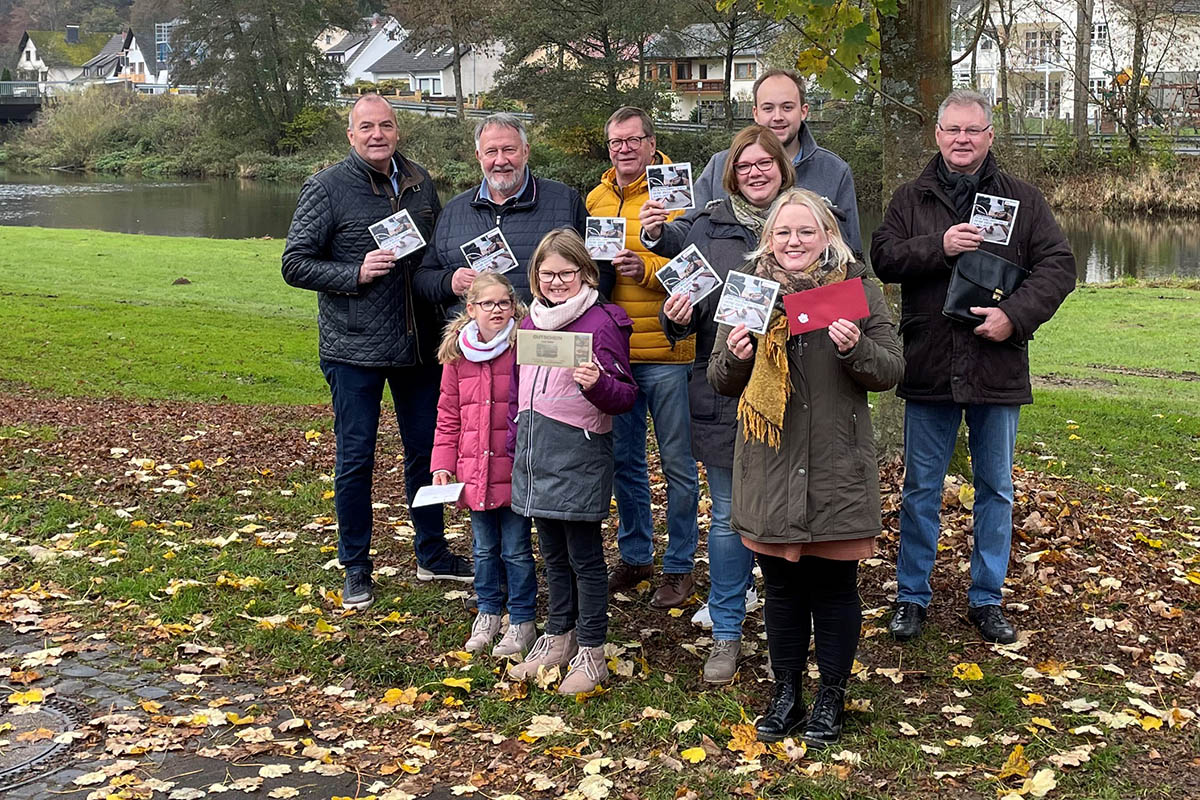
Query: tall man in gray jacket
{"points": [[378, 325]]}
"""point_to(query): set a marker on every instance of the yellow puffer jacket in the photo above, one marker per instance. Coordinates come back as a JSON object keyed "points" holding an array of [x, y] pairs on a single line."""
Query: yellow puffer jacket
{"points": [[641, 299]]}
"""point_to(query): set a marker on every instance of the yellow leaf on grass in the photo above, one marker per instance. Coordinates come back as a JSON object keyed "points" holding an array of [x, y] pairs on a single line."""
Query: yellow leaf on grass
{"points": [[968, 671], [1033, 699], [745, 741], [1040, 784], [966, 496], [1016, 765], [1042, 722], [1150, 723], [139, 523], [26, 698], [311, 435], [676, 612], [327, 495], [458, 683], [324, 627], [694, 755], [405, 697]]}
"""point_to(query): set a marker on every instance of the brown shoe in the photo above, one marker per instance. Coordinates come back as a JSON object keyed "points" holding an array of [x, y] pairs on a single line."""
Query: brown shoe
{"points": [[676, 588], [626, 576]]}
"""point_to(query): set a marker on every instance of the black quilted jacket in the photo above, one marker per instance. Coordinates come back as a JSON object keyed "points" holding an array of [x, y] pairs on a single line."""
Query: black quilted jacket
{"points": [[543, 206], [394, 321]]}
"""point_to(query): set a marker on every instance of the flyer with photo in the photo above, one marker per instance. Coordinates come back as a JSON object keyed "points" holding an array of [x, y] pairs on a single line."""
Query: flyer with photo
{"points": [[489, 252], [553, 348], [605, 237], [398, 233], [671, 185], [995, 217], [689, 273], [748, 300]]}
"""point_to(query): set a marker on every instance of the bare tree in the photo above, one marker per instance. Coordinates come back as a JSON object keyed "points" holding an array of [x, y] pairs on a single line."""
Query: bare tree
{"points": [[1083, 71]]}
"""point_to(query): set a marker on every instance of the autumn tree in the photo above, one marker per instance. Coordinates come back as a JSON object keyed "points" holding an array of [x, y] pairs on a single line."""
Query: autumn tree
{"points": [[260, 59], [738, 26], [458, 24]]}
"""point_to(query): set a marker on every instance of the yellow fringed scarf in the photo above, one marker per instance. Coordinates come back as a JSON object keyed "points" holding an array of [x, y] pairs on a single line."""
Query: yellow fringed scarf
{"points": [[762, 405]]}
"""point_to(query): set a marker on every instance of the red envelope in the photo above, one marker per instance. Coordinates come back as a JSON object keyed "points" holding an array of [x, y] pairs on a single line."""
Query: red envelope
{"points": [[814, 309]]}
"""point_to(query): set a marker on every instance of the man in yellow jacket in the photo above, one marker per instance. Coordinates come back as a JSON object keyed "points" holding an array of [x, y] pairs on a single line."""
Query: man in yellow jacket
{"points": [[661, 371]]}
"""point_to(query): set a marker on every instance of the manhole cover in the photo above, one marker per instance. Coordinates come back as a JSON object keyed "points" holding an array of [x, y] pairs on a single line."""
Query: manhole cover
{"points": [[32, 751]]}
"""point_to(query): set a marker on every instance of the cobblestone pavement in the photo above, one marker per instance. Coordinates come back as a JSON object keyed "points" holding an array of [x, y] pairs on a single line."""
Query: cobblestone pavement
{"points": [[120, 703]]}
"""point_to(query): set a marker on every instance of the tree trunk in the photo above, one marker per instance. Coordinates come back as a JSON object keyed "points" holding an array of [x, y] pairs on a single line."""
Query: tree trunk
{"points": [[458, 84], [726, 90], [1083, 71], [914, 64], [1133, 104], [1005, 106]]}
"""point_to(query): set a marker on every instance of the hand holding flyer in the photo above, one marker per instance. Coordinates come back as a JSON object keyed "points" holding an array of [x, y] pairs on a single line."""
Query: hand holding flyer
{"points": [[489, 252], [995, 217], [605, 237], [818, 308], [747, 300], [671, 185], [436, 495], [398, 234], [553, 348], [689, 273]]}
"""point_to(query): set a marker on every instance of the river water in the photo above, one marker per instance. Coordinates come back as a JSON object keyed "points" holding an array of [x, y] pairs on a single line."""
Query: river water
{"points": [[1106, 248]]}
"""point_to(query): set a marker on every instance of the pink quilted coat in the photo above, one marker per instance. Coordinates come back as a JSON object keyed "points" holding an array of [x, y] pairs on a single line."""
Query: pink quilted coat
{"points": [[472, 426]]}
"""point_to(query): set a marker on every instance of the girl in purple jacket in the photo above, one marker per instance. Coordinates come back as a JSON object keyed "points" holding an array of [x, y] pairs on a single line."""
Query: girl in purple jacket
{"points": [[561, 432], [478, 355]]}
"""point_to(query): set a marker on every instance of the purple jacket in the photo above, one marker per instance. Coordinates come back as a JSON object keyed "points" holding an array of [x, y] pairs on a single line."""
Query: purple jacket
{"points": [[561, 436]]}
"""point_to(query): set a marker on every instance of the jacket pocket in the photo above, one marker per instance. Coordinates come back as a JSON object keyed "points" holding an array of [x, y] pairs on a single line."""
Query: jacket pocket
{"points": [[353, 324], [704, 401], [920, 352]]}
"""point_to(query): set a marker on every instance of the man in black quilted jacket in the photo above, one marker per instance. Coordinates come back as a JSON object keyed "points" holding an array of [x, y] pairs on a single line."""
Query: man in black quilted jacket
{"points": [[378, 324], [524, 207]]}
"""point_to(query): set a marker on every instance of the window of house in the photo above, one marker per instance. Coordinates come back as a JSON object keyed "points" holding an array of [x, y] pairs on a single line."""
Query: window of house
{"points": [[431, 86], [683, 70], [703, 72], [1042, 46], [328, 38], [28, 56], [1099, 33], [746, 71], [985, 43]]}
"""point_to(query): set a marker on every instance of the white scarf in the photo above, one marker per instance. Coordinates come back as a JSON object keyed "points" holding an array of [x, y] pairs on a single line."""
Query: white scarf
{"points": [[476, 350], [553, 318]]}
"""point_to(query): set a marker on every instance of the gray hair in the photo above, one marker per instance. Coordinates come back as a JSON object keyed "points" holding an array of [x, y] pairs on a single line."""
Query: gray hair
{"points": [[369, 97], [966, 97], [502, 120]]}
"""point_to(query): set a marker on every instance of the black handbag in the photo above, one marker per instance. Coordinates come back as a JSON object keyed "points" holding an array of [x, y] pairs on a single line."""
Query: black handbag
{"points": [[980, 279]]}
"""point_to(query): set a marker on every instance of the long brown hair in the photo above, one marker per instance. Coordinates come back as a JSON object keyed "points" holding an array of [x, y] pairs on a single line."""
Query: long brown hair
{"points": [[450, 351]]}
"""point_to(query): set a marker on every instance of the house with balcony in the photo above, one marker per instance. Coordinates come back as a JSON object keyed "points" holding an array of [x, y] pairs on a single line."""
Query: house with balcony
{"points": [[692, 62], [1039, 43], [430, 69], [121, 59], [57, 56]]}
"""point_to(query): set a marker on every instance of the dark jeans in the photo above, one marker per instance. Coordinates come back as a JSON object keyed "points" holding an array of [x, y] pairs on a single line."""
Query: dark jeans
{"points": [[812, 595], [576, 579], [357, 394], [504, 557]]}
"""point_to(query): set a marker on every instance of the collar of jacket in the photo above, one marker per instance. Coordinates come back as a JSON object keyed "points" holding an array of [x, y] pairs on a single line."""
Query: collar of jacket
{"points": [[725, 224], [927, 181], [609, 178], [808, 145], [380, 183], [526, 199]]}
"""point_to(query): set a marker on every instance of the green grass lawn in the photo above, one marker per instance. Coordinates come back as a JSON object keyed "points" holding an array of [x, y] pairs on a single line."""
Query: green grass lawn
{"points": [[98, 314]]}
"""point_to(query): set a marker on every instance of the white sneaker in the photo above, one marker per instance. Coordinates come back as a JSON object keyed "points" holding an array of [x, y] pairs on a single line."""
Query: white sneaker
{"points": [[483, 631], [517, 640], [703, 617]]}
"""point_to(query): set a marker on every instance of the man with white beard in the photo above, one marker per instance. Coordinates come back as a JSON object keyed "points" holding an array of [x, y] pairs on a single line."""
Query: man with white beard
{"points": [[509, 197]]}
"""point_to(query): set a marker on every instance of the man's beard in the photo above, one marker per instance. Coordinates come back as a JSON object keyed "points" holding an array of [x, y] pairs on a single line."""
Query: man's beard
{"points": [[505, 182]]}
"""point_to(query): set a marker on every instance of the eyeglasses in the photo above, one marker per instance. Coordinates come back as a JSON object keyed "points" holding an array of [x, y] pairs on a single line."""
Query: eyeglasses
{"points": [[971, 132], [492, 305], [786, 234], [744, 167], [632, 142], [566, 276]]}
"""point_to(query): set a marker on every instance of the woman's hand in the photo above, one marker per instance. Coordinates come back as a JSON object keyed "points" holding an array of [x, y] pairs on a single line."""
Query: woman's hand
{"points": [[740, 343], [844, 334], [586, 375], [678, 309], [442, 477], [652, 216]]}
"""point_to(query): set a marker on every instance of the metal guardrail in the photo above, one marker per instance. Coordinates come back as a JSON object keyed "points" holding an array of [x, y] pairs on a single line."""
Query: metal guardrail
{"points": [[1183, 145]]}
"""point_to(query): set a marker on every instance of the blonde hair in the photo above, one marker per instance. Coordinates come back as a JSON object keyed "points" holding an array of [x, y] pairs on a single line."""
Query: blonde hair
{"points": [[567, 243], [449, 350], [839, 252]]}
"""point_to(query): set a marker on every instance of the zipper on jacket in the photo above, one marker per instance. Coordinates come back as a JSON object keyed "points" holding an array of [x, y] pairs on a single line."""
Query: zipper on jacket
{"points": [[529, 446]]}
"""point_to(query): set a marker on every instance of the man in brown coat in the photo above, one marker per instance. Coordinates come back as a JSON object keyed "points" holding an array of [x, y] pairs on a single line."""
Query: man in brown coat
{"points": [[954, 369]]}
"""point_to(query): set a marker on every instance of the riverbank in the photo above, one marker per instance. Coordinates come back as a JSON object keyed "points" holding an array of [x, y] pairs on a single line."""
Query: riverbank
{"points": [[166, 500]]}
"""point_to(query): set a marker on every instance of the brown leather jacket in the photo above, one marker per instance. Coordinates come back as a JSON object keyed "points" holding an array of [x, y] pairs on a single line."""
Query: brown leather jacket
{"points": [[945, 361]]}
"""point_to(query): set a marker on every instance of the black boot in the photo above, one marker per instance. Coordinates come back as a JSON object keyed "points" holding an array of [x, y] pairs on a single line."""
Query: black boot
{"points": [[825, 723], [785, 712]]}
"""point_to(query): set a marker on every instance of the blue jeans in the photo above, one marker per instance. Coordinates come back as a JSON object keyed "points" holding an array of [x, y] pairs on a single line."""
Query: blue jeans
{"points": [[730, 563], [504, 551], [357, 394], [663, 389], [930, 431]]}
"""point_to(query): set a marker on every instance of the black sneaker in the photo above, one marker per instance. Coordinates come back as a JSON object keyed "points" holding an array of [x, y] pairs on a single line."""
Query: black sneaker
{"points": [[907, 621], [992, 625], [359, 591], [453, 568]]}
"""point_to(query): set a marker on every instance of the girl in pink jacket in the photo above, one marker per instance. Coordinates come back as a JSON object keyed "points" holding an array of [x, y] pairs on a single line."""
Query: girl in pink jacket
{"points": [[478, 355]]}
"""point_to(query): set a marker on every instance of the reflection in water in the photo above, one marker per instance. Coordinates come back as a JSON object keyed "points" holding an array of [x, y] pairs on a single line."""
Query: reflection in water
{"points": [[1106, 249], [1109, 249]]}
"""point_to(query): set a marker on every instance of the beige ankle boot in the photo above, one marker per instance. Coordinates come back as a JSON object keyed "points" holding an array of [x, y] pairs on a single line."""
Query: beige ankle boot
{"points": [[586, 670], [548, 651]]}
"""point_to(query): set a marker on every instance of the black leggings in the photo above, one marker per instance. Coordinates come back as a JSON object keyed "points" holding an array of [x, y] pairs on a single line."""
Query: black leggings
{"points": [[812, 595]]}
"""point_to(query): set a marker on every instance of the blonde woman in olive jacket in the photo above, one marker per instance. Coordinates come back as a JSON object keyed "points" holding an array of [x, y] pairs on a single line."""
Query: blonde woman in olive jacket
{"points": [[805, 478]]}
